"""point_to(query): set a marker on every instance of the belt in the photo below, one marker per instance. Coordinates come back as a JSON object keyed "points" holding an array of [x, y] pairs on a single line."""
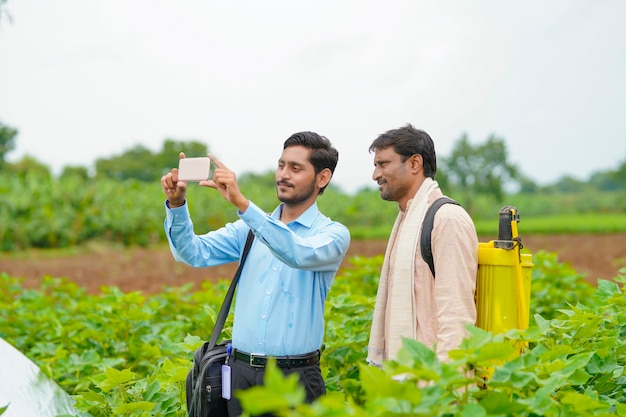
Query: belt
{"points": [[296, 361]]}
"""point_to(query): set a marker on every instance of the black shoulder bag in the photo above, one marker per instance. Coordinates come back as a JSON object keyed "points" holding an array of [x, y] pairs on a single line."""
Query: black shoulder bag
{"points": [[204, 380]]}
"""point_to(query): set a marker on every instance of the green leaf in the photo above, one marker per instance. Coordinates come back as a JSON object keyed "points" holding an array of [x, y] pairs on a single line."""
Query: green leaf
{"points": [[498, 403], [401, 387], [607, 289], [128, 408], [93, 397], [176, 373], [581, 403], [494, 352], [192, 342], [371, 377], [151, 392], [115, 378], [542, 324], [279, 392], [419, 353], [473, 410]]}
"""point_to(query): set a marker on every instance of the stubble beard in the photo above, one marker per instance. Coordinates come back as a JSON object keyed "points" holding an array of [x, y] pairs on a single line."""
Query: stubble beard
{"points": [[385, 195], [385, 192], [298, 197]]}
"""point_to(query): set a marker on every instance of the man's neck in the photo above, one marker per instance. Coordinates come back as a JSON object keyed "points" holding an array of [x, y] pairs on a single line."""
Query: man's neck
{"points": [[403, 202], [291, 212]]}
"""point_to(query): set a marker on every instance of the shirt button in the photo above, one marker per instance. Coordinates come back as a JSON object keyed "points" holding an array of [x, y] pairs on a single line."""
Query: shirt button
{"points": [[263, 316]]}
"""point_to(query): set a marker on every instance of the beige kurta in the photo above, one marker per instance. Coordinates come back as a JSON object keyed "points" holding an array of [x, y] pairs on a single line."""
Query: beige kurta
{"points": [[438, 309]]}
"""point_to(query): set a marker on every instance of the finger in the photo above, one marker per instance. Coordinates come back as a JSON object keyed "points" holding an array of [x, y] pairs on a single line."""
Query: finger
{"points": [[181, 185], [172, 184], [173, 174], [166, 181], [216, 161], [181, 155], [164, 184], [168, 186], [208, 183]]}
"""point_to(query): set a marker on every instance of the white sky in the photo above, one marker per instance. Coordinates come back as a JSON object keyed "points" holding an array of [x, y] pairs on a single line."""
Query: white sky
{"points": [[84, 79]]}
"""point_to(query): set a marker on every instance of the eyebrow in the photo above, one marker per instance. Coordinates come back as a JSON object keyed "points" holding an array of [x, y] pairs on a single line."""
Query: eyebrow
{"points": [[292, 163]]}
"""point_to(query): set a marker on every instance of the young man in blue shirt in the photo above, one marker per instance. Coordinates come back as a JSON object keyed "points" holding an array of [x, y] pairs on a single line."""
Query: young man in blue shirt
{"points": [[279, 310]]}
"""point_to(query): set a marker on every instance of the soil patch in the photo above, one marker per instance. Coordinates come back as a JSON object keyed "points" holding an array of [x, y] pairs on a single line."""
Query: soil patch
{"points": [[150, 269]]}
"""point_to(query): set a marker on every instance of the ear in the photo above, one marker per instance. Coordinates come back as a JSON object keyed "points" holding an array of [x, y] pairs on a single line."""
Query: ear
{"points": [[417, 162], [323, 178]]}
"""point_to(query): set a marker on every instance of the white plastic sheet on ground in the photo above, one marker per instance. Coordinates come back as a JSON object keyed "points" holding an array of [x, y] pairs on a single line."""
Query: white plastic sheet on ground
{"points": [[27, 391]]}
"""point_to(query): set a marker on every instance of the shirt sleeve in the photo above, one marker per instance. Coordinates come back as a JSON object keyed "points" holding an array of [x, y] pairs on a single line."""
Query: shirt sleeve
{"points": [[216, 247], [320, 248], [455, 254]]}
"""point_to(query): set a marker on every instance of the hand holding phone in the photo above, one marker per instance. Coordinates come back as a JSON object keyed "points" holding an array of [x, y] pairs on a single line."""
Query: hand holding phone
{"points": [[194, 169]]}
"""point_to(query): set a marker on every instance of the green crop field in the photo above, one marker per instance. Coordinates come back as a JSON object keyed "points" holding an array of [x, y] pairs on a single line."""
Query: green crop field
{"points": [[127, 354]]}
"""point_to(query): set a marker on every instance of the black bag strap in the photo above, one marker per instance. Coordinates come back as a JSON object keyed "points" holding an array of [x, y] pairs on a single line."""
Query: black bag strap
{"points": [[427, 230], [228, 299]]}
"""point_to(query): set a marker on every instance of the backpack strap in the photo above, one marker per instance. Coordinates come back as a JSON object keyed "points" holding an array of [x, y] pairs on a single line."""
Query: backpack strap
{"points": [[427, 230]]}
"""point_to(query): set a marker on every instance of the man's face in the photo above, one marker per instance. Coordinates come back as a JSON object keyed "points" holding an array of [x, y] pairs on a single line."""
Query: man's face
{"points": [[392, 175], [295, 176]]}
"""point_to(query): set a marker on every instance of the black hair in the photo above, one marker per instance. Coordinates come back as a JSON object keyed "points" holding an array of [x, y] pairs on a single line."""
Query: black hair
{"points": [[323, 155], [408, 141]]}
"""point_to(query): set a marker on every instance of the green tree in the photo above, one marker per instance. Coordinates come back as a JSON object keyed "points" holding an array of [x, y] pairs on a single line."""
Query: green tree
{"points": [[568, 184], [528, 185], [75, 171], [137, 162], [29, 166], [611, 180], [620, 173], [7, 135], [168, 158], [480, 169], [142, 164], [443, 179]]}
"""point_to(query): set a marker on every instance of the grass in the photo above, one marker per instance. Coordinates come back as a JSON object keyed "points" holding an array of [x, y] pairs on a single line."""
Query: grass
{"points": [[563, 224], [529, 225]]}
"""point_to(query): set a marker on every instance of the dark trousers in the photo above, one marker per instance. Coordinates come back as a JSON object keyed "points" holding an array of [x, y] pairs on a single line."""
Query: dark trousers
{"points": [[245, 376]]}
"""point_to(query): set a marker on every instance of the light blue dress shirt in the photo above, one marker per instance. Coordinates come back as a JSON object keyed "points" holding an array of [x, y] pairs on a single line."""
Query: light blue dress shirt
{"points": [[279, 307]]}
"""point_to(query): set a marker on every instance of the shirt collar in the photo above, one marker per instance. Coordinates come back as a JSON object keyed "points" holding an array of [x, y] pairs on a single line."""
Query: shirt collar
{"points": [[306, 219]]}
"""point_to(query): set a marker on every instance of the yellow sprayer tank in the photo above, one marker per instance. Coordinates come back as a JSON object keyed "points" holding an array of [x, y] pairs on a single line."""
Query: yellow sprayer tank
{"points": [[503, 280]]}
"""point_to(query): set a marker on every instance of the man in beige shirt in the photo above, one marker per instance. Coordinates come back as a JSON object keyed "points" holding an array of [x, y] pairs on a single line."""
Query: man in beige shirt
{"points": [[411, 302]]}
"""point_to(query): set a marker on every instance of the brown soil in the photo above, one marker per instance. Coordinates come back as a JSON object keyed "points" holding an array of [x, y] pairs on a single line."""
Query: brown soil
{"points": [[148, 270]]}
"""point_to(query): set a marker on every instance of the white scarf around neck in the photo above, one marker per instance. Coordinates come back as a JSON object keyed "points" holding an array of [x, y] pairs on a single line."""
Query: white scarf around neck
{"points": [[387, 332]]}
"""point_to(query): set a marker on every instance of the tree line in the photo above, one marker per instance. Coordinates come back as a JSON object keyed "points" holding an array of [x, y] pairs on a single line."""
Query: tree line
{"points": [[120, 200], [483, 168]]}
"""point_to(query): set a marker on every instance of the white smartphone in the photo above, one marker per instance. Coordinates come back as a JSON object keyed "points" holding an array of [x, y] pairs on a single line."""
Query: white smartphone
{"points": [[194, 169]]}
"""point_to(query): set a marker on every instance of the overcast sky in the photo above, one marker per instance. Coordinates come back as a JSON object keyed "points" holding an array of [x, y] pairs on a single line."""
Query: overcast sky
{"points": [[84, 79]]}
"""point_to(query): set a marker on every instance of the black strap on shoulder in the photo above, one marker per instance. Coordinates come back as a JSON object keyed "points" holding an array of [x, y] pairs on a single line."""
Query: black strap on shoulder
{"points": [[221, 317], [427, 229]]}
